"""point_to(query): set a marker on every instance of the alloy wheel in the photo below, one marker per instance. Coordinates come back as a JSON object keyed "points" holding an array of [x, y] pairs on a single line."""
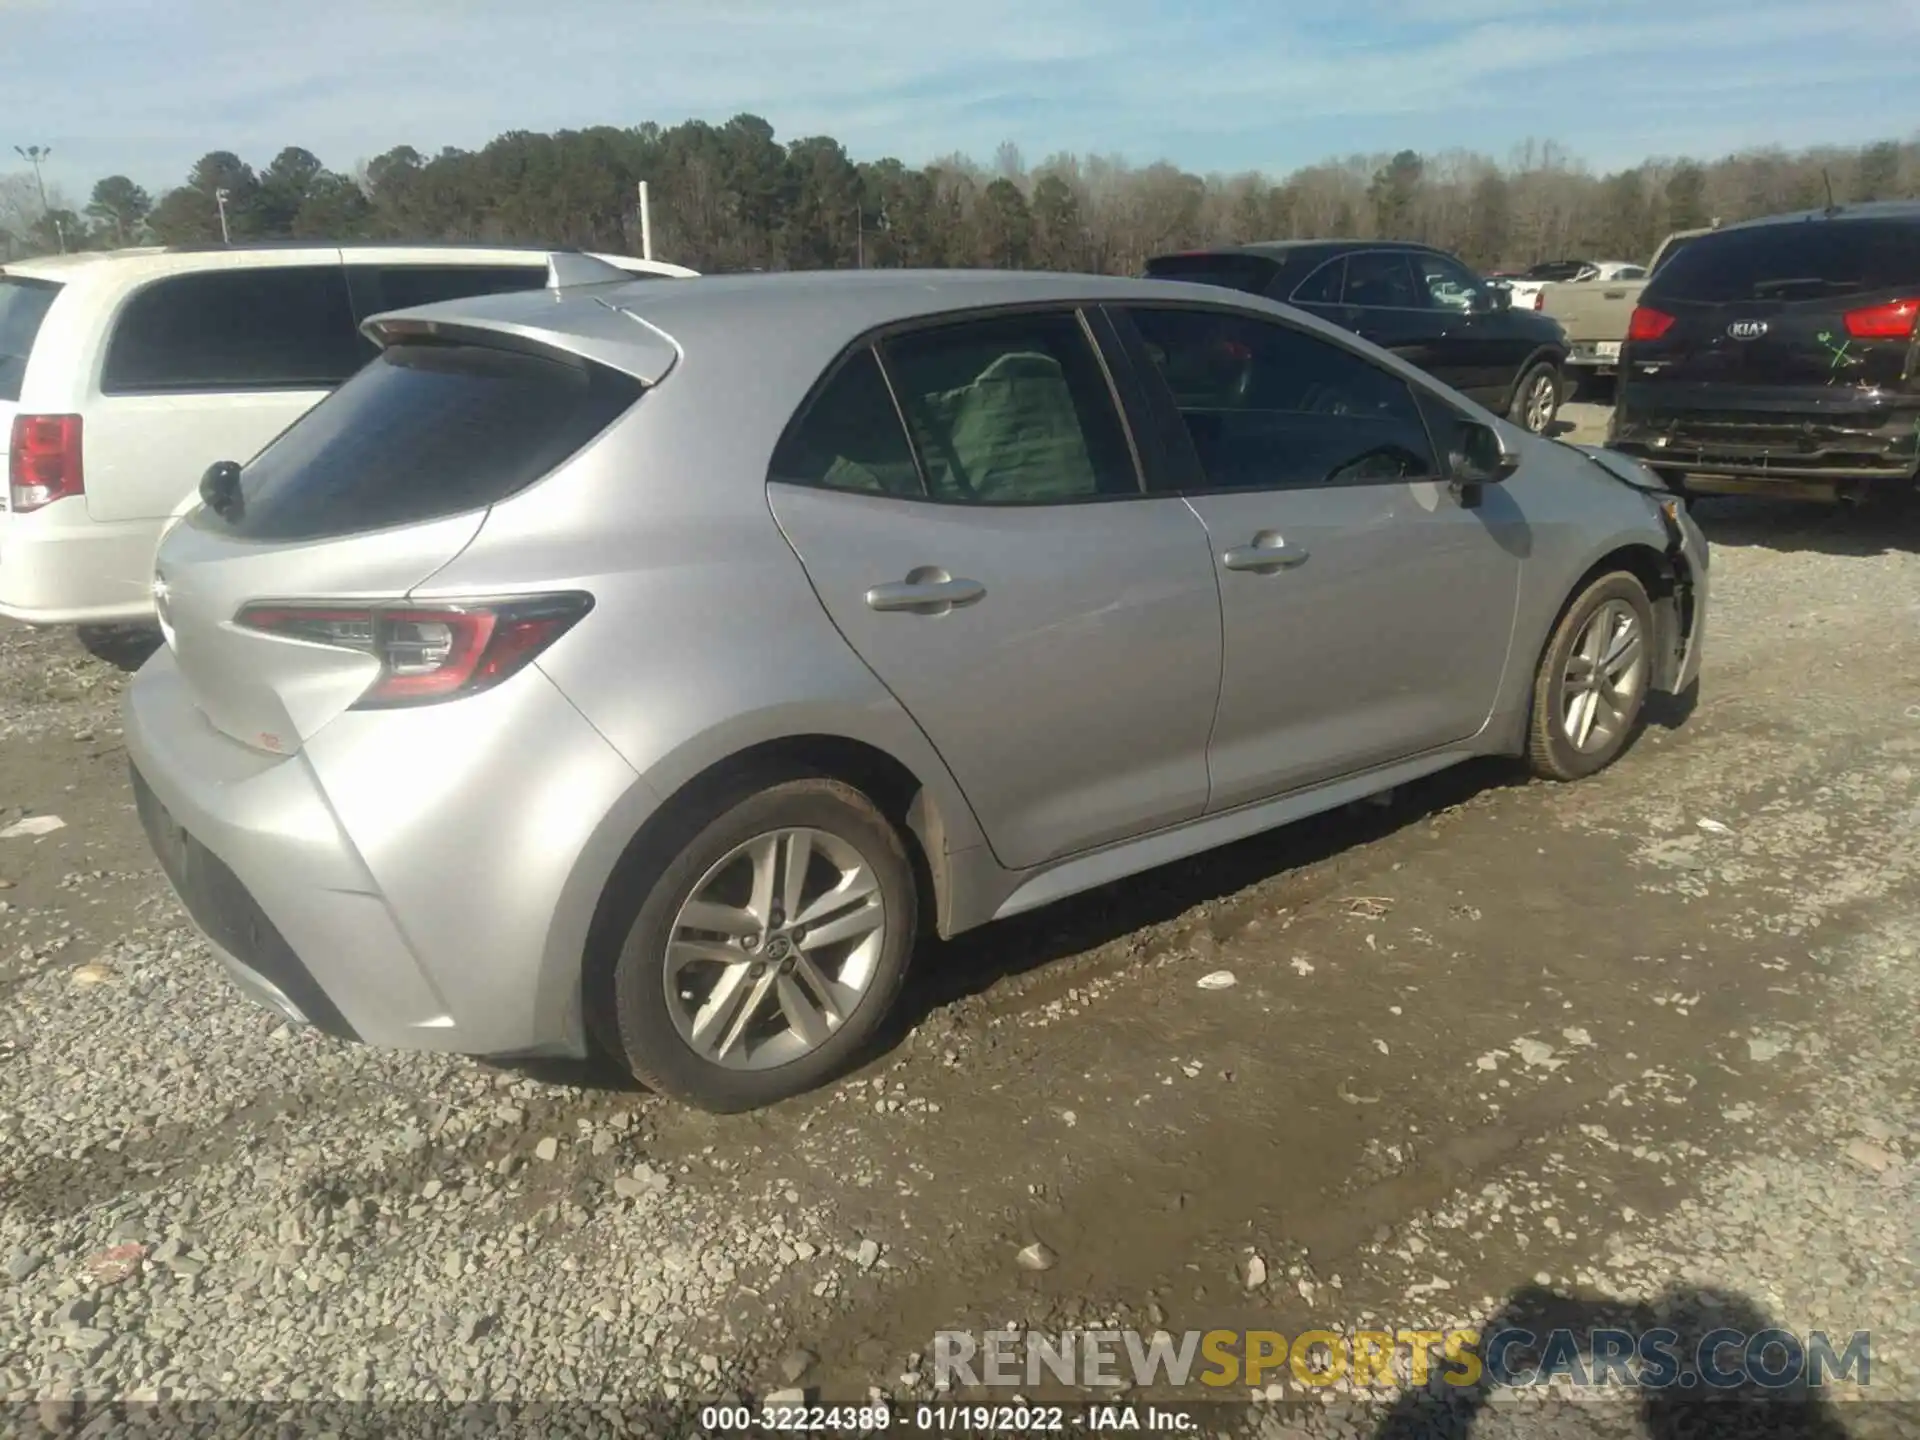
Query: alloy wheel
{"points": [[774, 948], [1539, 408], [1605, 677]]}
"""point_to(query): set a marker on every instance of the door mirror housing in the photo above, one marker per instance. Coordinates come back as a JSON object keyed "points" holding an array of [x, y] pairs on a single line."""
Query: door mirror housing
{"points": [[220, 489], [1478, 456], [1493, 297]]}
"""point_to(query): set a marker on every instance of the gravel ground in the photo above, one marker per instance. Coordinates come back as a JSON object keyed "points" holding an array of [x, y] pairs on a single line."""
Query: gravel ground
{"points": [[1637, 1047]]}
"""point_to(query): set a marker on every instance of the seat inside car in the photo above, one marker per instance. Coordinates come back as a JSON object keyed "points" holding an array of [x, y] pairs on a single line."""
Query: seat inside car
{"points": [[1013, 430]]}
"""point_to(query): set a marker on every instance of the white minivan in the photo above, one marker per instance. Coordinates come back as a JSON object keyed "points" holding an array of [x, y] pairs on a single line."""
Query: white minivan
{"points": [[125, 374]]}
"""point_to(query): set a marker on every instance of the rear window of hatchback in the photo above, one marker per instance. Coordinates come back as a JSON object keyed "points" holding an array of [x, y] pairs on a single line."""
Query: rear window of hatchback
{"points": [[1796, 260]]}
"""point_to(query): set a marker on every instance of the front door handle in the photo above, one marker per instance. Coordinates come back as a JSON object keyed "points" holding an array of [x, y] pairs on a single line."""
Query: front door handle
{"points": [[927, 590], [1267, 554]]}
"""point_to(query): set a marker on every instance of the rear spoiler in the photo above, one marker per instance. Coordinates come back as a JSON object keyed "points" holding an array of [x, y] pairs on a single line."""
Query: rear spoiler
{"points": [[564, 320]]}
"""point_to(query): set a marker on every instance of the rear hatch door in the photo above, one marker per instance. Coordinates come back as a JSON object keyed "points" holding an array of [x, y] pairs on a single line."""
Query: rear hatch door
{"points": [[1772, 316], [372, 492]]}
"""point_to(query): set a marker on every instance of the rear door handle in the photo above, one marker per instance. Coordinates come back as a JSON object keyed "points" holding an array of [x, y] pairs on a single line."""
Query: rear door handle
{"points": [[925, 591], [1267, 554]]}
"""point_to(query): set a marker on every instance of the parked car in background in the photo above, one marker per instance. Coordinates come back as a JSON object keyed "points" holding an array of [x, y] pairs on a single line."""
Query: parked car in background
{"points": [[1526, 286], [1595, 309], [1779, 357], [124, 374], [1423, 304], [657, 664]]}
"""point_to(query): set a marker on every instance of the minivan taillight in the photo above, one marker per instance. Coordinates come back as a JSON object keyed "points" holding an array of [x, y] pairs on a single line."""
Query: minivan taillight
{"points": [[428, 652], [1648, 323], [1540, 298], [44, 463], [1891, 321]]}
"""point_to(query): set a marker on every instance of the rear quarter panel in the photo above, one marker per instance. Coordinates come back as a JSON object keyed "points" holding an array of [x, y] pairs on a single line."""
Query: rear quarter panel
{"points": [[706, 638]]}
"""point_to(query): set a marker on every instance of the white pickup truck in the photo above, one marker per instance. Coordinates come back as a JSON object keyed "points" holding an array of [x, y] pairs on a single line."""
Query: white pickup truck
{"points": [[1528, 287], [1594, 310]]}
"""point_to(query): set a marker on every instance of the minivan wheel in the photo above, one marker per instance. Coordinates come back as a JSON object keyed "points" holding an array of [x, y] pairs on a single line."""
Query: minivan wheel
{"points": [[769, 949], [1536, 399], [1593, 680]]}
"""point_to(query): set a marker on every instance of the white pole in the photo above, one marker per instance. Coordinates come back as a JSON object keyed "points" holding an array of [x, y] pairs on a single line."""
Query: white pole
{"points": [[646, 224]]}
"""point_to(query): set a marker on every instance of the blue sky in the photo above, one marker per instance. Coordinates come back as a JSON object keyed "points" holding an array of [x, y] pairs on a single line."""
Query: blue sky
{"points": [[145, 88]]}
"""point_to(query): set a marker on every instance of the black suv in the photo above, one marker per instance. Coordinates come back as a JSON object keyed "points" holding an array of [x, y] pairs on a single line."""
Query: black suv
{"points": [[1778, 356], [1421, 303]]}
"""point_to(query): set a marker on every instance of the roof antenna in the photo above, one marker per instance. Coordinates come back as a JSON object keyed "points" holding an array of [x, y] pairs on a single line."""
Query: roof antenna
{"points": [[571, 269], [1833, 206]]}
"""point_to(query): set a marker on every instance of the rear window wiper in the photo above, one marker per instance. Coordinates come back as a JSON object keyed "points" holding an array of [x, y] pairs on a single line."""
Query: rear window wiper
{"points": [[1767, 287]]}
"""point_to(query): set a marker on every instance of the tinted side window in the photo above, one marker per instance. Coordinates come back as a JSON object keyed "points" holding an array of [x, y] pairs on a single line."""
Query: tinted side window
{"points": [[850, 437], [1011, 411], [1797, 260], [1271, 407], [1445, 283], [23, 305], [1381, 279], [252, 329], [400, 287], [1324, 285], [1671, 249], [426, 430]]}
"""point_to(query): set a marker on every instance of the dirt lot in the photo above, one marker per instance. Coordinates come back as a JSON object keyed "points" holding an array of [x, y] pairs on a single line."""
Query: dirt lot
{"points": [[1640, 1045]]}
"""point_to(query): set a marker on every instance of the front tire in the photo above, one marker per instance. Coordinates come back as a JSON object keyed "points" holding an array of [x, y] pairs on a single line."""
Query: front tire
{"points": [[1593, 680], [769, 949], [1536, 399]]}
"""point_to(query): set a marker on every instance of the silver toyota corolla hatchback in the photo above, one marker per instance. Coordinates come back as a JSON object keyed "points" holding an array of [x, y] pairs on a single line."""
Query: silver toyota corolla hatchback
{"points": [[653, 666]]}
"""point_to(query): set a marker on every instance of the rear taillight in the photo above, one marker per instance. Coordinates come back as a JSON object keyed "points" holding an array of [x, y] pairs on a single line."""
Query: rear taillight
{"points": [[1891, 321], [1648, 324], [45, 463], [1540, 299], [428, 652]]}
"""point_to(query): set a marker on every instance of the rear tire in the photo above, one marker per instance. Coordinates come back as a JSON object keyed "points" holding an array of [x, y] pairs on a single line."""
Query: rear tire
{"points": [[1592, 683], [1536, 399], [754, 1017]]}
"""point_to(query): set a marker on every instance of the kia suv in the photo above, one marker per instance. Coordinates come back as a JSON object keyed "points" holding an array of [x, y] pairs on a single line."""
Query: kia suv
{"points": [[1779, 357]]}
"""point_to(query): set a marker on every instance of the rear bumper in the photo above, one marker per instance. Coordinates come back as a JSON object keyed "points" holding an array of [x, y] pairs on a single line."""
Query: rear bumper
{"points": [[57, 567], [1831, 443], [241, 935], [446, 912]]}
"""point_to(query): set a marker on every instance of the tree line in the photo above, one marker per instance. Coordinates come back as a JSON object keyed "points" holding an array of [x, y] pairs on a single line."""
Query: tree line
{"points": [[735, 197]]}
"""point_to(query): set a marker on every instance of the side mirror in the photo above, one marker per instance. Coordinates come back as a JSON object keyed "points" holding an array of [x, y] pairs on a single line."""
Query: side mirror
{"points": [[220, 489], [1478, 456]]}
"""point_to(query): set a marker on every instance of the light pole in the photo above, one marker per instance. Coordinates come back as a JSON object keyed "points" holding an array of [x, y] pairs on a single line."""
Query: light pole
{"points": [[220, 199], [35, 155]]}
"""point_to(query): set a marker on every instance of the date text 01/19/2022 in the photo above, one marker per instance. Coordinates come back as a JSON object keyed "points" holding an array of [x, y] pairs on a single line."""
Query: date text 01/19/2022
{"points": [[945, 1419]]}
